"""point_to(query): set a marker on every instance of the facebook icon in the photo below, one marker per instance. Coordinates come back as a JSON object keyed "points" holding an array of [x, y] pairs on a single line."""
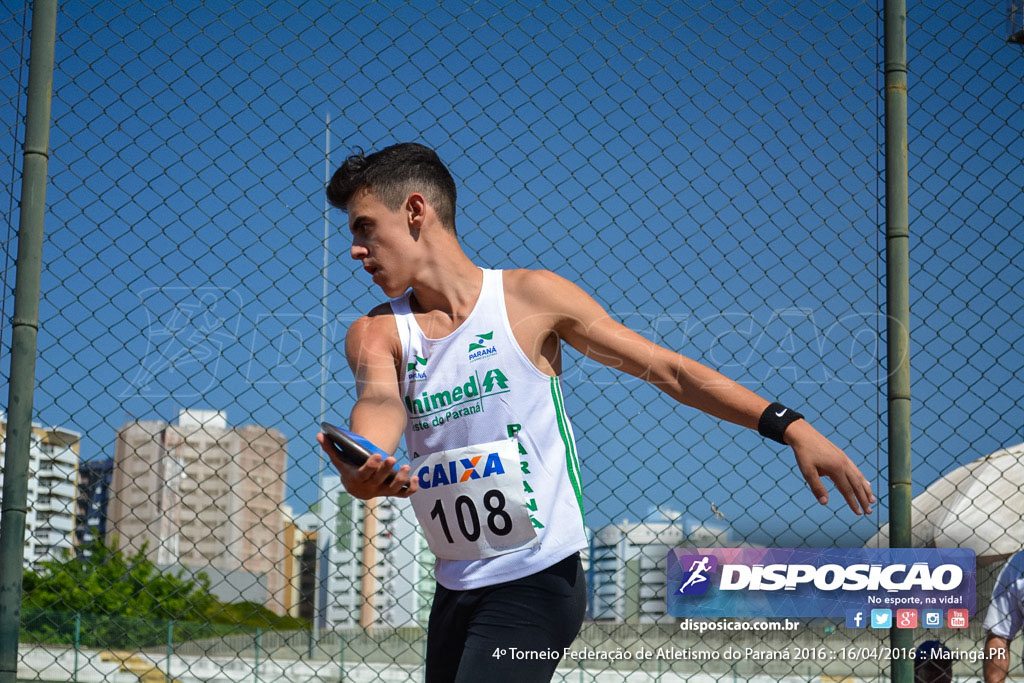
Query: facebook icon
{"points": [[855, 618]]}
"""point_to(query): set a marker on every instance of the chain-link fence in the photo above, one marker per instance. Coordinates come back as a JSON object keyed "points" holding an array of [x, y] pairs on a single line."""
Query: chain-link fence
{"points": [[712, 174]]}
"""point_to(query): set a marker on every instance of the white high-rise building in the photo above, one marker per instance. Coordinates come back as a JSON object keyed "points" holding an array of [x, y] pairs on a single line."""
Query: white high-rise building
{"points": [[397, 591], [52, 499], [628, 561]]}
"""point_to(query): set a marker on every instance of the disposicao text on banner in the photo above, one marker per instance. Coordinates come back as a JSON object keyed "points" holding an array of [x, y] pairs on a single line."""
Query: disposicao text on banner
{"points": [[823, 582]]}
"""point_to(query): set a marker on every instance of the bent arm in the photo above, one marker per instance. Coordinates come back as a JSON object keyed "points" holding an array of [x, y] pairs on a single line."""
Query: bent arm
{"points": [[378, 414], [588, 328]]}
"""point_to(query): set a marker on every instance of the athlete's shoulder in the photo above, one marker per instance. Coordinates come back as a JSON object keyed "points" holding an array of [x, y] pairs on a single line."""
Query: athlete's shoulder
{"points": [[539, 283], [545, 290], [376, 329]]}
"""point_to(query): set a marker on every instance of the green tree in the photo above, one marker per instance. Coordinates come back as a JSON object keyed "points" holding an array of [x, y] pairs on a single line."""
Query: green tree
{"points": [[104, 581], [126, 602], [115, 601]]}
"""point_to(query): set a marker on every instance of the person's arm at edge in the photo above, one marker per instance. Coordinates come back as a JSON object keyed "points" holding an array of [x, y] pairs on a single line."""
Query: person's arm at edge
{"points": [[587, 327], [378, 414], [996, 667]]}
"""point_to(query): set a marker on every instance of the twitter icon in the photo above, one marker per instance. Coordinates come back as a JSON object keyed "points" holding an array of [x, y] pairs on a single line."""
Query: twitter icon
{"points": [[881, 618]]}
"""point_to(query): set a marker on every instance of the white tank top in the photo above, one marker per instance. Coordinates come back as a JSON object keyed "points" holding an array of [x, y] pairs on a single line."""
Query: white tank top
{"points": [[474, 386]]}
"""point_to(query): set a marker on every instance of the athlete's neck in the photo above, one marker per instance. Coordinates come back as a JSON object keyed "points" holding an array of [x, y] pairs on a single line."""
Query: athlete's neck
{"points": [[449, 285]]}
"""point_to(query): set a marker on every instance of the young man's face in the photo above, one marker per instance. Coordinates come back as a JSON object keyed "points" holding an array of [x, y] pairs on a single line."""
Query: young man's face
{"points": [[381, 241]]}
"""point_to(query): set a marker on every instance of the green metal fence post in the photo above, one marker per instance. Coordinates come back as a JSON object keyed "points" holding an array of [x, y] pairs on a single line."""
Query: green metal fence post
{"points": [[170, 648], [341, 656], [897, 250], [256, 657], [25, 326], [78, 635]]}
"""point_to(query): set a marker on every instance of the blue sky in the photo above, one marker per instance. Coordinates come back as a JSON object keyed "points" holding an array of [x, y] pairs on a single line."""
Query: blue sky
{"points": [[713, 177]]}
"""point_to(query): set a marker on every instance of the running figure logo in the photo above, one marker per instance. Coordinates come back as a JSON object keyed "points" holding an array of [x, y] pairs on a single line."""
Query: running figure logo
{"points": [[695, 581]]}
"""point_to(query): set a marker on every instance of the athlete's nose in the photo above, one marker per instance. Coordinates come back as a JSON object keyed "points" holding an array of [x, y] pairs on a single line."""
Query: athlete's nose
{"points": [[358, 251]]}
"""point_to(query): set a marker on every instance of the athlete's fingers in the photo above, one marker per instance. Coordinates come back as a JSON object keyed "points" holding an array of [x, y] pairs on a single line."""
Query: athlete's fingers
{"points": [[864, 494], [814, 481], [403, 484], [373, 471], [414, 486], [845, 487], [859, 486], [384, 469]]}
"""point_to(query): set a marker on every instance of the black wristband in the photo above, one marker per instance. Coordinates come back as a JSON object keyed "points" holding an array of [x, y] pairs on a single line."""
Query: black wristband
{"points": [[775, 419]]}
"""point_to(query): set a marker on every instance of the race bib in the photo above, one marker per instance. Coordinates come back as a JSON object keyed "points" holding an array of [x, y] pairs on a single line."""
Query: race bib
{"points": [[471, 503]]}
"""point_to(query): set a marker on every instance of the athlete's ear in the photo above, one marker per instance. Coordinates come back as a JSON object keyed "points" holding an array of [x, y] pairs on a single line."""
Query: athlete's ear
{"points": [[415, 211]]}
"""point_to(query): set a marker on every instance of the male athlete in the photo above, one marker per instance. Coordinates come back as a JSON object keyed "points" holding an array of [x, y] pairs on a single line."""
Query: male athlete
{"points": [[466, 362]]}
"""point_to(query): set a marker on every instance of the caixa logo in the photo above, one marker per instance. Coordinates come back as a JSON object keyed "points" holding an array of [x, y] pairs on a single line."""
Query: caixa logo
{"points": [[462, 469], [696, 573]]}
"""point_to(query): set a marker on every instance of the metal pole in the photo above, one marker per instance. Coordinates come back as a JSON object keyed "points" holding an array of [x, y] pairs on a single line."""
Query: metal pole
{"points": [[78, 634], [170, 649], [897, 258], [323, 349], [25, 326], [256, 657], [341, 656]]}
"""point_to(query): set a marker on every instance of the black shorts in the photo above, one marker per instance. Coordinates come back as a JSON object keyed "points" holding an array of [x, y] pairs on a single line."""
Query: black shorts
{"points": [[538, 615]]}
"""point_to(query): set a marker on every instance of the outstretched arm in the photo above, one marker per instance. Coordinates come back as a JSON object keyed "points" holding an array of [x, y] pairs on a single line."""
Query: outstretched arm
{"points": [[588, 328], [378, 413]]}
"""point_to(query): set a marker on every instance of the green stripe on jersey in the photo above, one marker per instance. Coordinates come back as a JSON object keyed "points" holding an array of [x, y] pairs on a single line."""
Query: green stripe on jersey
{"points": [[571, 460]]}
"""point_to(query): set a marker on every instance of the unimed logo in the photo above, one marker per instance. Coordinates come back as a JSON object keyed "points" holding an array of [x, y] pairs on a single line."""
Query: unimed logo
{"points": [[427, 402], [695, 576]]}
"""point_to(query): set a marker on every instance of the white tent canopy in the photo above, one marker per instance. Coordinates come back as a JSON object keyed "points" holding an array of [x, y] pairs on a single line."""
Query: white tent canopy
{"points": [[979, 506]]}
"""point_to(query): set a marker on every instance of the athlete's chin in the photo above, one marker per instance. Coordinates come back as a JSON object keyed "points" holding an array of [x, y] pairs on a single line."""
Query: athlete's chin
{"points": [[391, 290]]}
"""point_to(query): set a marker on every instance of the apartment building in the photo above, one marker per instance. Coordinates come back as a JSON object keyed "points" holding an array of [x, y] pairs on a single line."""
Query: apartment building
{"points": [[93, 497], [376, 565], [52, 491], [628, 561], [202, 494]]}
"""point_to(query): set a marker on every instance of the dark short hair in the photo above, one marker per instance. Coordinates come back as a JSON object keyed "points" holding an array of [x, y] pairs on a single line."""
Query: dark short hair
{"points": [[391, 174]]}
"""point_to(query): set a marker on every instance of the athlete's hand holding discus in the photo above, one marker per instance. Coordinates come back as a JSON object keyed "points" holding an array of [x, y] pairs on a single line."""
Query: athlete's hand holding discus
{"points": [[375, 476]]}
